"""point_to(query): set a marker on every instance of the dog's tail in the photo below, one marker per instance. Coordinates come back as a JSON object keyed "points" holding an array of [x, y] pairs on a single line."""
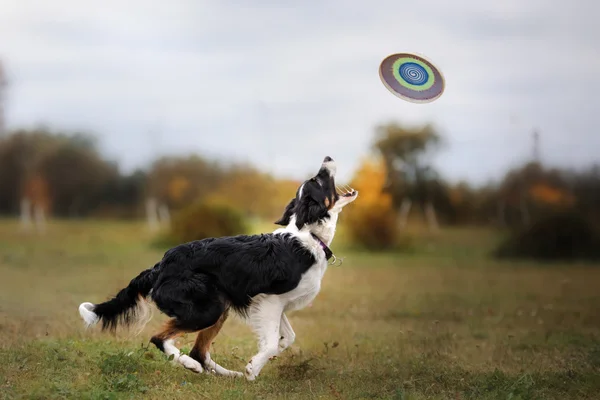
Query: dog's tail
{"points": [[127, 307]]}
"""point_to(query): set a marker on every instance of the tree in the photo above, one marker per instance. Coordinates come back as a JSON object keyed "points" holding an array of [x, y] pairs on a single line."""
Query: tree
{"points": [[257, 194], [20, 153], [411, 178], [77, 178], [585, 186], [179, 181], [372, 222], [52, 172], [528, 191], [122, 196]]}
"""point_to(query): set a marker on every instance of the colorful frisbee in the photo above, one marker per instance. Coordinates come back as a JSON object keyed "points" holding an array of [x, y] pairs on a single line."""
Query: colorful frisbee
{"points": [[411, 77]]}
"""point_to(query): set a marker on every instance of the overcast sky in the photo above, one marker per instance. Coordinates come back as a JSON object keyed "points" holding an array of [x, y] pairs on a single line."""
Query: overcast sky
{"points": [[283, 83]]}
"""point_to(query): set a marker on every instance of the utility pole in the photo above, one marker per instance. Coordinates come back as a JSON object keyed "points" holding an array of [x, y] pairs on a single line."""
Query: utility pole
{"points": [[3, 85], [536, 146]]}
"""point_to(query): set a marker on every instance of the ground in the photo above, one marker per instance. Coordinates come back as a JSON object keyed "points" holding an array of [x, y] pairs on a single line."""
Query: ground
{"points": [[441, 322]]}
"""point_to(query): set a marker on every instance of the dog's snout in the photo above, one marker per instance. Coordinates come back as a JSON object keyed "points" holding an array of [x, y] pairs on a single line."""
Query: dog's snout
{"points": [[329, 166]]}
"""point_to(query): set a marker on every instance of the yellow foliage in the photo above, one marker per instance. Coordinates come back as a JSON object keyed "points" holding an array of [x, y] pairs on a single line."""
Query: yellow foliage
{"points": [[547, 194], [220, 199], [178, 186], [369, 180], [202, 220], [255, 194], [372, 221]]}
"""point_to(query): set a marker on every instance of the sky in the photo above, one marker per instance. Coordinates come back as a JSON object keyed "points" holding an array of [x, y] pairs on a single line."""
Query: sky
{"points": [[282, 84]]}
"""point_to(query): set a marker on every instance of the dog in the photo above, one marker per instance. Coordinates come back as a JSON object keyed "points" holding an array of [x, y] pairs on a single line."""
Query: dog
{"points": [[259, 277]]}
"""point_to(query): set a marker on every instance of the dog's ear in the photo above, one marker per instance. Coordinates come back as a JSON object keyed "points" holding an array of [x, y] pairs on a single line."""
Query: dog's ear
{"points": [[287, 213], [309, 210]]}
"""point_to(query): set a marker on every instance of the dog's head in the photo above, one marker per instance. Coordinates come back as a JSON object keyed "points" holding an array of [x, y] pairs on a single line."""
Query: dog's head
{"points": [[317, 198]]}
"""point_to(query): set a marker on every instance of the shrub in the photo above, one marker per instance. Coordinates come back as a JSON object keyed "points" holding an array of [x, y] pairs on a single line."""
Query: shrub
{"points": [[202, 220], [564, 236], [371, 221], [373, 228]]}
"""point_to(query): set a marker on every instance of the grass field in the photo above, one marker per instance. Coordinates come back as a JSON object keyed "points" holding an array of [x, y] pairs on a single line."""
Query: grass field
{"points": [[441, 322]]}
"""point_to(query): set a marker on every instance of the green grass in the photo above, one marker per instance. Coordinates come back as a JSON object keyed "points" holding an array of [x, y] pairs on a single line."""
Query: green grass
{"points": [[441, 322]]}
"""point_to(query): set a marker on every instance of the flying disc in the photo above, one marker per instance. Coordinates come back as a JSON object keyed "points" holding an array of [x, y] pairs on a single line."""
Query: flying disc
{"points": [[411, 77]]}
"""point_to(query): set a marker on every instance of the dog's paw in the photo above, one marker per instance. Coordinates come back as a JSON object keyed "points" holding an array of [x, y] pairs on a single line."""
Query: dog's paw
{"points": [[220, 371], [236, 374], [211, 367], [249, 372], [285, 342], [190, 363]]}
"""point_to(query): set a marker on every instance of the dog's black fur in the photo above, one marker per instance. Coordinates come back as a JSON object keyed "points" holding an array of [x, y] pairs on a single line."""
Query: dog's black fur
{"points": [[196, 282]]}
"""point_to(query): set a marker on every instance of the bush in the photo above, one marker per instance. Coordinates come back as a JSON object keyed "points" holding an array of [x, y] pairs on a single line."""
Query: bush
{"points": [[562, 236], [202, 220], [373, 228], [371, 221]]}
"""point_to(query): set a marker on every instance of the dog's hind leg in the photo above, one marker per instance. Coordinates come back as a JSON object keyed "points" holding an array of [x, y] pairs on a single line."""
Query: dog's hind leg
{"points": [[205, 312], [200, 351], [165, 342], [196, 305]]}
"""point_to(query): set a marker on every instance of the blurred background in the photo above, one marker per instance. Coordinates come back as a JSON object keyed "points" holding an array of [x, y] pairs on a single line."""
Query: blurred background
{"points": [[128, 127]]}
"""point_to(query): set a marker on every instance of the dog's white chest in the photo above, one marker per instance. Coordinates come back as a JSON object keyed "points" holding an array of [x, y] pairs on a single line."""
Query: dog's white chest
{"points": [[308, 288]]}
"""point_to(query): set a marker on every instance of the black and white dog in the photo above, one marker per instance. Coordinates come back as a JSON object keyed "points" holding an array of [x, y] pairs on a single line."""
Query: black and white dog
{"points": [[260, 277]]}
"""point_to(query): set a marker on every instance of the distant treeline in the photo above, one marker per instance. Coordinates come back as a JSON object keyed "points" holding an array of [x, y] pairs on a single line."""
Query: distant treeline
{"points": [[67, 176], [401, 169]]}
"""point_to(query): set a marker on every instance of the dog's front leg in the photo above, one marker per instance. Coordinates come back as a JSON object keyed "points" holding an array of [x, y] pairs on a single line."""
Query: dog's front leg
{"points": [[287, 334], [265, 319]]}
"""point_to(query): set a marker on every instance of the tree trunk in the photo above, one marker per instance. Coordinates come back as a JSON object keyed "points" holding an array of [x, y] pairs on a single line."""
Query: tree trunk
{"points": [[152, 213], [431, 217], [40, 218], [164, 215], [404, 211], [525, 211], [502, 212], [25, 214]]}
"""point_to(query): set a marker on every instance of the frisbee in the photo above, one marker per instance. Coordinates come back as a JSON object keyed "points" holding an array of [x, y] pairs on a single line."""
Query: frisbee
{"points": [[411, 77]]}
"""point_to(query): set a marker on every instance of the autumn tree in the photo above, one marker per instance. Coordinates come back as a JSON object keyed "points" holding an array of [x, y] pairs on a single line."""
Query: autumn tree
{"points": [[77, 177], [527, 191], [372, 222], [20, 155], [585, 186], [179, 181], [62, 173], [255, 193]]}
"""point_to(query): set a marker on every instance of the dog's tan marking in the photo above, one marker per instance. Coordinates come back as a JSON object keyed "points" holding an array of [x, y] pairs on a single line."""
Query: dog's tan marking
{"points": [[205, 338]]}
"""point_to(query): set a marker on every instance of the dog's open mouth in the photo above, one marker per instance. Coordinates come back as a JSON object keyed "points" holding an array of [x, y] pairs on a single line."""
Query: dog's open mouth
{"points": [[345, 191]]}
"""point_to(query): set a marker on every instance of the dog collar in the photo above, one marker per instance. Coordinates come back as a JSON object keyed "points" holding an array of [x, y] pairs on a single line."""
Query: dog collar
{"points": [[327, 250]]}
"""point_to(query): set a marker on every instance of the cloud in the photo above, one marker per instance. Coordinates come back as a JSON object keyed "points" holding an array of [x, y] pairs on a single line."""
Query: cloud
{"points": [[282, 84]]}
